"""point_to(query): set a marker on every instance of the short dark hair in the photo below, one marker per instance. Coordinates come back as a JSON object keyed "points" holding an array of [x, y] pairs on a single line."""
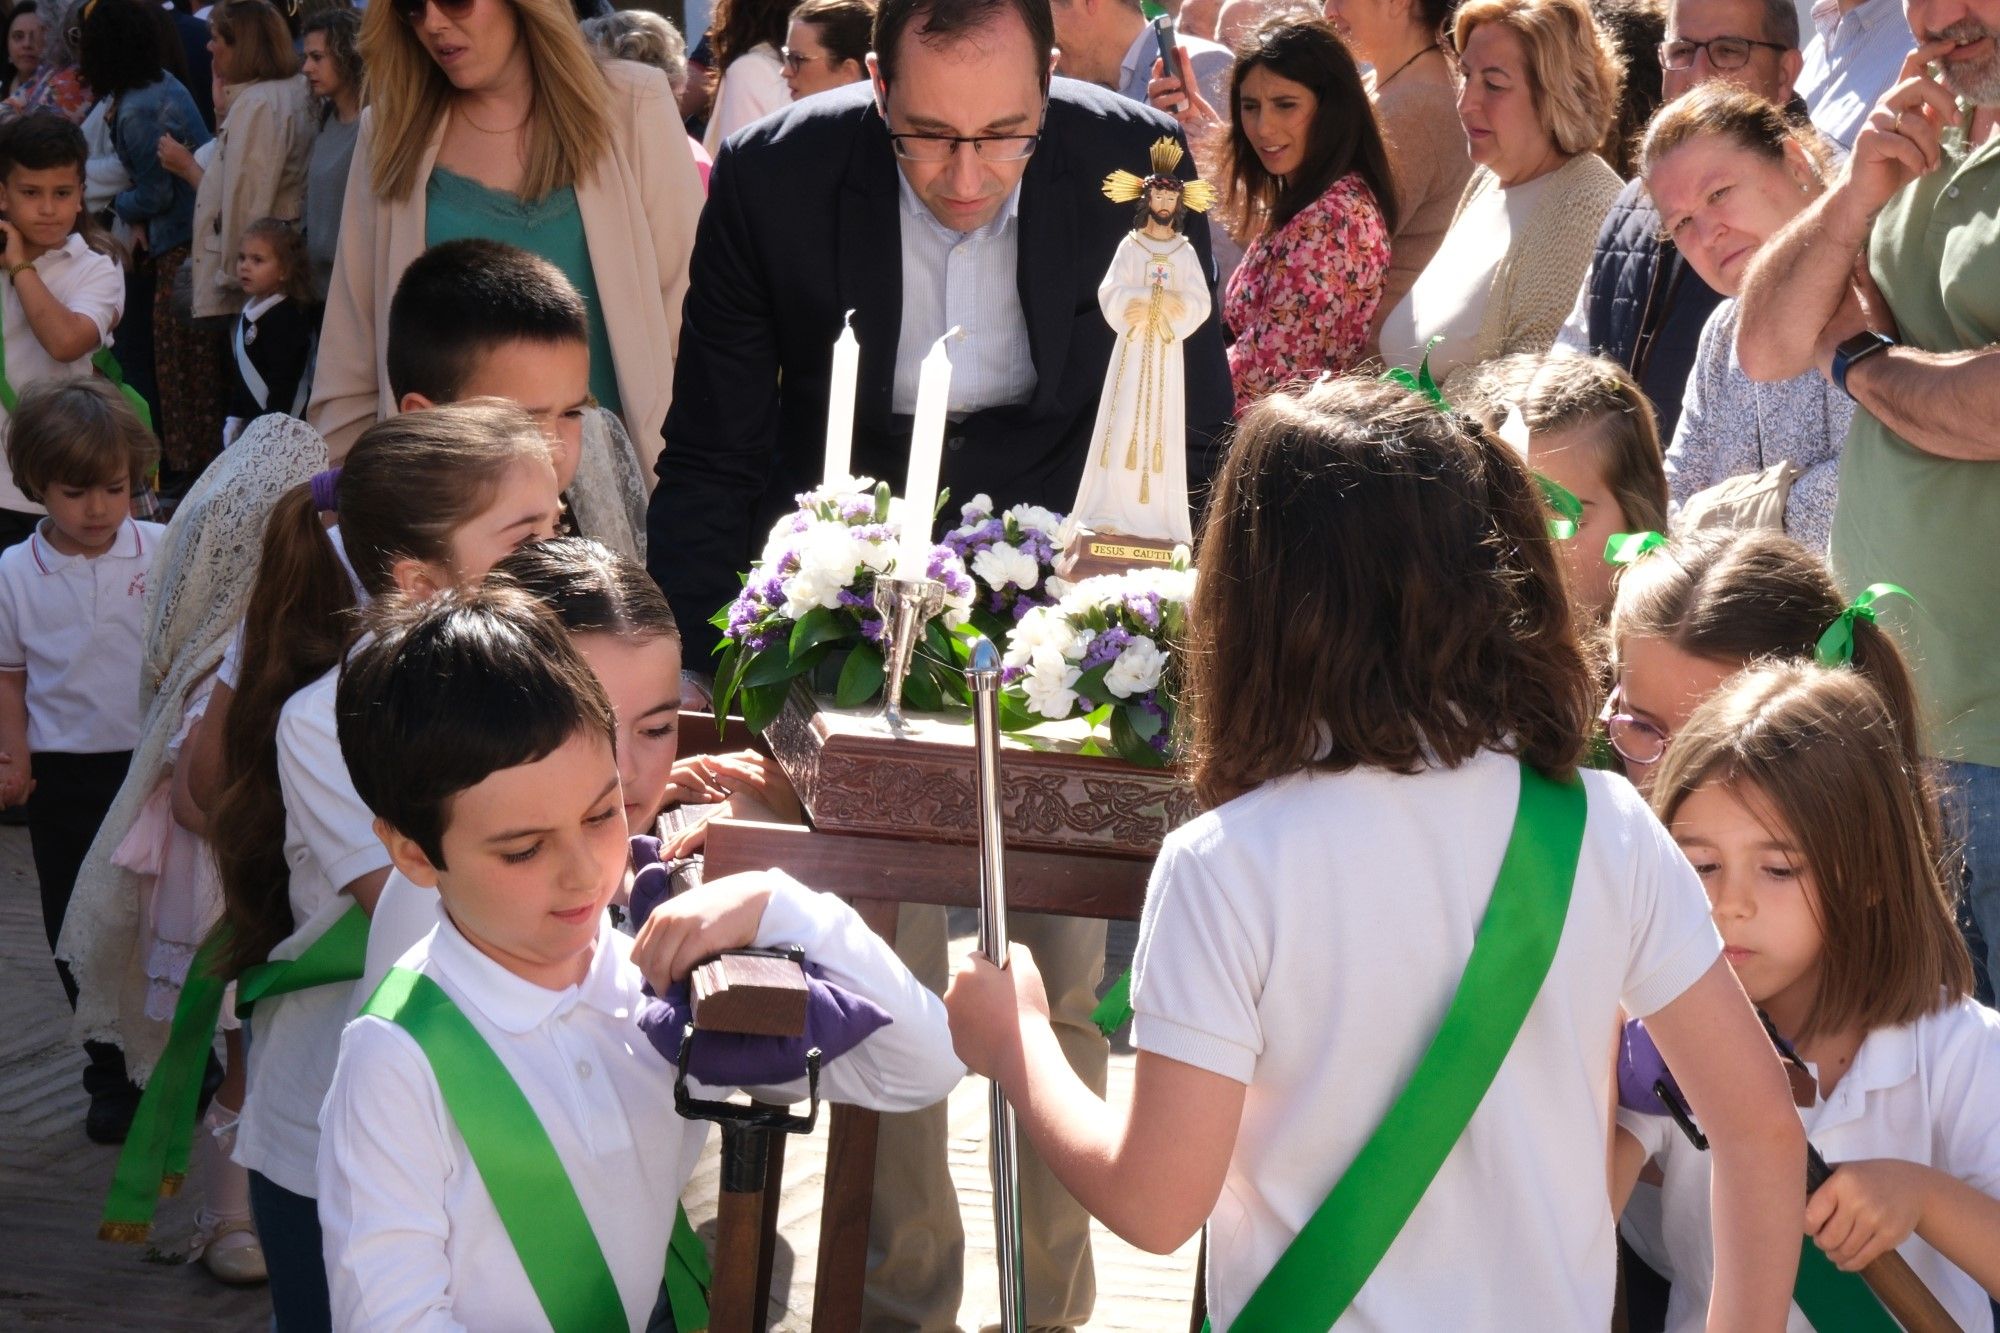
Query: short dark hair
{"points": [[1378, 588], [120, 50], [458, 301], [846, 27], [76, 431], [40, 142], [451, 691], [590, 588], [941, 21]]}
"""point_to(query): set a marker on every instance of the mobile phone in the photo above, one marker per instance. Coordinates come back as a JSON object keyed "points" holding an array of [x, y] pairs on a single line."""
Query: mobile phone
{"points": [[1163, 33]]}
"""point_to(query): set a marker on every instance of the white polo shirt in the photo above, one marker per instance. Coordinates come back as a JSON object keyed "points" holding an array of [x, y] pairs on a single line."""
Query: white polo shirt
{"points": [[329, 843], [1306, 938], [1926, 1092], [87, 282], [411, 1235], [77, 625]]}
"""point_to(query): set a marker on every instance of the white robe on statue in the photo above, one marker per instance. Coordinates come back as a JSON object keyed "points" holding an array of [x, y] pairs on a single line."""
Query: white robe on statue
{"points": [[1135, 480]]}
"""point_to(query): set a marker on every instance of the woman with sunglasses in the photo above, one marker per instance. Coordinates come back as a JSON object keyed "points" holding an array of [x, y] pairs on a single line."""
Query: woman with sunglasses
{"points": [[57, 84], [495, 119], [1691, 614], [747, 37], [827, 45]]}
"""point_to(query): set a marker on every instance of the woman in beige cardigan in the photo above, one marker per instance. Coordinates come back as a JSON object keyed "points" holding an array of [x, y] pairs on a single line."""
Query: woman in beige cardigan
{"points": [[497, 112], [1539, 88]]}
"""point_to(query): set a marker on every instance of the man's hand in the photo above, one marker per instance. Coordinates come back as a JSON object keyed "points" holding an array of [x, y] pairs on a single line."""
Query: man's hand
{"points": [[699, 924], [1865, 1209], [1901, 139], [987, 1007], [1179, 96]]}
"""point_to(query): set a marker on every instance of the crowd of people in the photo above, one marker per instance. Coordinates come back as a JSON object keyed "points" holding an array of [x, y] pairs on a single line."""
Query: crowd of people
{"points": [[392, 395]]}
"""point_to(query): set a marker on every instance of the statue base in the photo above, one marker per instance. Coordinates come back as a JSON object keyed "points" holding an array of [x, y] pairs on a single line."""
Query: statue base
{"points": [[1090, 553]]}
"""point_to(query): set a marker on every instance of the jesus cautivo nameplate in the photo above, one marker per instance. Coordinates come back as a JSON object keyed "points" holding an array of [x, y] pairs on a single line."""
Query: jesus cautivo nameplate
{"points": [[1151, 555]]}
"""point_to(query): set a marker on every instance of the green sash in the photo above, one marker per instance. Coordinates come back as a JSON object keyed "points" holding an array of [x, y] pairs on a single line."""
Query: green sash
{"points": [[104, 363], [1837, 1302], [523, 1175], [1324, 1268], [154, 1160], [1115, 1009]]}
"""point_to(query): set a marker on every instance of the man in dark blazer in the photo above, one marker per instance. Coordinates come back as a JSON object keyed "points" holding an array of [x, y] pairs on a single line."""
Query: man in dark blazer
{"points": [[804, 222], [958, 186]]}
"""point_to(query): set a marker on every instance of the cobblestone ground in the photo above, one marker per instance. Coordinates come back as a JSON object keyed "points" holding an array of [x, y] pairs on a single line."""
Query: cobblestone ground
{"points": [[56, 1274]]}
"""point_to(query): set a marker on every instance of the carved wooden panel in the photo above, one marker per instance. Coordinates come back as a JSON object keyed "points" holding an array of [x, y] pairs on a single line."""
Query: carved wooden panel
{"points": [[855, 775]]}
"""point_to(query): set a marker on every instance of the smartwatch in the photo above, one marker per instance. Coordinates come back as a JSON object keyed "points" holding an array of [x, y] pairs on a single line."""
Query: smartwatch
{"points": [[1858, 348]]}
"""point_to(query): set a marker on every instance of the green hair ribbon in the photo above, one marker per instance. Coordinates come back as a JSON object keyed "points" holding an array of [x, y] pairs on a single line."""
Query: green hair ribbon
{"points": [[1569, 509], [1836, 646], [1625, 547], [1421, 381]]}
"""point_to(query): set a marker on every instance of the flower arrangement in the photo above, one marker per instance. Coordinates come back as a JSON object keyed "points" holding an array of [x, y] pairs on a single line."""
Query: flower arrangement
{"points": [[1104, 650], [1012, 557], [807, 605]]}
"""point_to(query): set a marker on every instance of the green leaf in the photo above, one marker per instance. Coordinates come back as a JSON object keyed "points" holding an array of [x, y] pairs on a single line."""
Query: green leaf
{"points": [[817, 626], [920, 691], [1091, 685], [1142, 721], [1015, 715], [763, 703], [861, 679], [1130, 745], [1097, 717], [728, 675], [772, 665]]}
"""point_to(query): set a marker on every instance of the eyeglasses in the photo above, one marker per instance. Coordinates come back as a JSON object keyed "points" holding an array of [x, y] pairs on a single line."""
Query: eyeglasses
{"points": [[943, 147], [1723, 52], [797, 60], [1636, 740], [412, 11]]}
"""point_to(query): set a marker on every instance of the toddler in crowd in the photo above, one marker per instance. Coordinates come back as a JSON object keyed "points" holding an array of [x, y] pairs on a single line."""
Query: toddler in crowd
{"points": [[72, 619], [1349, 884], [272, 341], [492, 1082], [1791, 792]]}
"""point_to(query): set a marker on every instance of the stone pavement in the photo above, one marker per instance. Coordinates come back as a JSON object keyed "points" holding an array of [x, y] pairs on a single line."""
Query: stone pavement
{"points": [[56, 1274]]}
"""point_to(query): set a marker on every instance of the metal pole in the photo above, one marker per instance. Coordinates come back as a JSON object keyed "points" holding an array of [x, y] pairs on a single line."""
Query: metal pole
{"points": [[983, 675]]}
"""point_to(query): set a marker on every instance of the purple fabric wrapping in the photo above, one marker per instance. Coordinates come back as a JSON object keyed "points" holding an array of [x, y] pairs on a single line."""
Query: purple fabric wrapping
{"points": [[837, 1020], [325, 490], [1640, 1066]]}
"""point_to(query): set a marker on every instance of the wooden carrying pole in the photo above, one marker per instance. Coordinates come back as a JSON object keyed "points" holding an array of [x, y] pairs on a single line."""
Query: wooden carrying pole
{"points": [[1895, 1284]]}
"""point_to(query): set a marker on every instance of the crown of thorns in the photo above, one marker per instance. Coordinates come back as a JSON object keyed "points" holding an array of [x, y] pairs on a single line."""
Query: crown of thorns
{"points": [[1122, 187]]}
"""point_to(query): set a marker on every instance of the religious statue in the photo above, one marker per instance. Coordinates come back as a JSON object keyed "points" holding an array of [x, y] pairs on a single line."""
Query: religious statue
{"points": [[1132, 506]]}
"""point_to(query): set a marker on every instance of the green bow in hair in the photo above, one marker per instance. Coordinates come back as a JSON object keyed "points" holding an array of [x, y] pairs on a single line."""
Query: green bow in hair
{"points": [[1836, 646], [1625, 547], [1421, 382], [1569, 509]]}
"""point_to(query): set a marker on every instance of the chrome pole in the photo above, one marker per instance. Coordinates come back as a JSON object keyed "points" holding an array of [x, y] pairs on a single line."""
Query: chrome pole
{"points": [[983, 675]]}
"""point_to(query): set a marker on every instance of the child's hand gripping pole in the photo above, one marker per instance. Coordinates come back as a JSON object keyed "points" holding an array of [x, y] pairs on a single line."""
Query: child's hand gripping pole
{"points": [[1646, 1085], [983, 676]]}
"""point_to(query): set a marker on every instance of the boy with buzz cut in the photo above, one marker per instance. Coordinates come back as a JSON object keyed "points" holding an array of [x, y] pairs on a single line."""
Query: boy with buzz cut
{"points": [[482, 319], [486, 749], [61, 297]]}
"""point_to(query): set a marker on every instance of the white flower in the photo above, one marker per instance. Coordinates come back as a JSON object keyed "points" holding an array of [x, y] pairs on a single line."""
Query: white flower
{"points": [[976, 511], [1057, 588], [828, 555], [1035, 518], [1048, 682], [1137, 668], [1001, 565]]}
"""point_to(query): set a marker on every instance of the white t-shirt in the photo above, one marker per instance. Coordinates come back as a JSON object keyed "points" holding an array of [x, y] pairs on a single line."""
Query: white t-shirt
{"points": [[752, 88], [87, 282], [1450, 295], [1306, 938], [1926, 1092], [329, 843], [77, 625], [412, 1238]]}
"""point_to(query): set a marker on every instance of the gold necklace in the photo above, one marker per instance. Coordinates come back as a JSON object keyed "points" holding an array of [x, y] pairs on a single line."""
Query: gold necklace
{"points": [[512, 129]]}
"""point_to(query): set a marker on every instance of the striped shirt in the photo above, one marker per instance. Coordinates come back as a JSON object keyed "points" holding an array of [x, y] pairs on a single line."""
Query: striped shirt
{"points": [[963, 279]]}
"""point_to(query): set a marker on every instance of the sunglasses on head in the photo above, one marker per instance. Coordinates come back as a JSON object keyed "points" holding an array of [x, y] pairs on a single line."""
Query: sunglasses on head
{"points": [[412, 11]]}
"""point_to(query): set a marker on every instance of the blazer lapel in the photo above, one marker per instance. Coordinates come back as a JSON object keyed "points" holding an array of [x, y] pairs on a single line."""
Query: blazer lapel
{"points": [[869, 259], [1046, 268]]}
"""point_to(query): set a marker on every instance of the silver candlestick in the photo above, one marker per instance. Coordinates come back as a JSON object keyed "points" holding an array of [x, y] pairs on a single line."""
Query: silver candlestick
{"points": [[906, 606], [983, 675]]}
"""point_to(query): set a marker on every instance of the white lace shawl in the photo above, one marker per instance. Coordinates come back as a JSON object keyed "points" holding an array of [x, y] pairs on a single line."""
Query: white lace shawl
{"points": [[197, 592], [608, 497]]}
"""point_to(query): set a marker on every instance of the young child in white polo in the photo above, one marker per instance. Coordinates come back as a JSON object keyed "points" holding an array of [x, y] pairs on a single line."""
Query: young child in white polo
{"points": [[476, 732], [72, 630]]}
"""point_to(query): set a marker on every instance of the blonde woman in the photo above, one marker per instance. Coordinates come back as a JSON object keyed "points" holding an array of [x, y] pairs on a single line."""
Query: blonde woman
{"points": [[1538, 88], [492, 118]]}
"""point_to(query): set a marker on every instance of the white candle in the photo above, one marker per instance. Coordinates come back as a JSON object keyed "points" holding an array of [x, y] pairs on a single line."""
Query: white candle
{"points": [[920, 492], [840, 405]]}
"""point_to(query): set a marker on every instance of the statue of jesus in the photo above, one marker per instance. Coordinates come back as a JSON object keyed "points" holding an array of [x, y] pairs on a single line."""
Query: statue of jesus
{"points": [[1154, 296]]}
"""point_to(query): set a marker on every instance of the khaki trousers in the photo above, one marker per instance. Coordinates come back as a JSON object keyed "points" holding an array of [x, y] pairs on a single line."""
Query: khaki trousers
{"points": [[916, 1237]]}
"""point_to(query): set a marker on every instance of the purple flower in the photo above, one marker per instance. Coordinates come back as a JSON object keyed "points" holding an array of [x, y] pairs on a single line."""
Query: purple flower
{"points": [[1105, 648]]}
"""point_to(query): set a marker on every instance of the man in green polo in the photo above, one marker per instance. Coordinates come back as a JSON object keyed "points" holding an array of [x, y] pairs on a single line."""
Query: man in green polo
{"points": [[1910, 335]]}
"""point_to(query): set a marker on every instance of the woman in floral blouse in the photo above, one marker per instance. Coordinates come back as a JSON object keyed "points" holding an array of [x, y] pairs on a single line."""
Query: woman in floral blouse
{"points": [[1308, 193]]}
